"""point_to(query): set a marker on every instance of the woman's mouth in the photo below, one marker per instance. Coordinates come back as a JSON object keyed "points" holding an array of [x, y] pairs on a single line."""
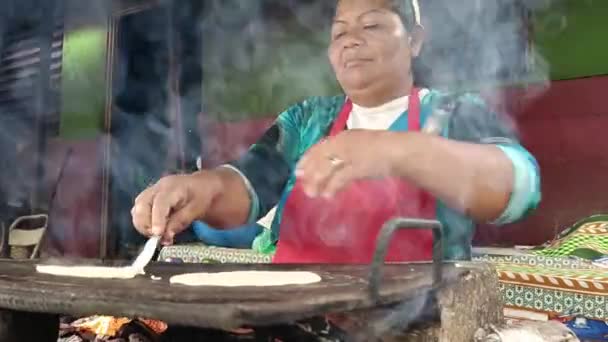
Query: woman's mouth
{"points": [[353, 63]]}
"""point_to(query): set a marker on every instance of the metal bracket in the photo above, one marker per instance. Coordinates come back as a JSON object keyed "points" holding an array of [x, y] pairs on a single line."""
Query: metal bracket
{"points": [[384, 239]]}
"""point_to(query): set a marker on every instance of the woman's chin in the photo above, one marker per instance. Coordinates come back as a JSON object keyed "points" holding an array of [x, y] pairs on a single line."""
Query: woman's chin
{"points": [[355, 86], [356, 78]]}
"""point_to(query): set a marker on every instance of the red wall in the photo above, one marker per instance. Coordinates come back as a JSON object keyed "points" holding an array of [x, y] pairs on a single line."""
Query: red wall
{"points": [[224, 141], [75, 219], [563, 127]]}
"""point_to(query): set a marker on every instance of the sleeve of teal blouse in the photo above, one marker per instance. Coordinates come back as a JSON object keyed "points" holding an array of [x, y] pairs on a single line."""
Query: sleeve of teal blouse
{"points": [[526, 194], [268, 163], [472, 121]]}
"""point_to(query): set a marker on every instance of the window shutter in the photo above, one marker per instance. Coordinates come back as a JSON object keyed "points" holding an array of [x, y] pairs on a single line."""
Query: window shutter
{"points": [[30, 72]]}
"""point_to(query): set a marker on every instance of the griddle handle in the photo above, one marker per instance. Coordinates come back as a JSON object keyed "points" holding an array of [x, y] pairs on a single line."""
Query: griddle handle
{"points": [[384, 239]]}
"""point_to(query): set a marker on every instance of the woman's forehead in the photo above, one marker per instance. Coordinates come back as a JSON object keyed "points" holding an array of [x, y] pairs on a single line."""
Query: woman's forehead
{"points": [[407, 10], [347, 8]]}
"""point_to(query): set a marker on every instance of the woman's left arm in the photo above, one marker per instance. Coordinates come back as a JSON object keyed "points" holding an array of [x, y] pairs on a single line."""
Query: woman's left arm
{"points": [[481, 169], [488, 182]]}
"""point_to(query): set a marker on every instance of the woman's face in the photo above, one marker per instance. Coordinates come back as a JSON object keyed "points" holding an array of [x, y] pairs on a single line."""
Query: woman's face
{"points": [[370, 47]]}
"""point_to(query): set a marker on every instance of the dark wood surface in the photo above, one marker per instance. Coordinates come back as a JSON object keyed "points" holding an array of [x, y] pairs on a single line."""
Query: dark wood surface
{"points": [[343, 288]]}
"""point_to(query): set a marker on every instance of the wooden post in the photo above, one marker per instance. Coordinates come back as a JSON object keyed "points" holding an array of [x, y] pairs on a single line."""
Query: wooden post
{"points": [[465, 307]]}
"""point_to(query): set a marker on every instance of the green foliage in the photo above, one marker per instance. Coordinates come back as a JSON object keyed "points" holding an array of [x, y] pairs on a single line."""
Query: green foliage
{"points": [[293, 66], [83, 83], [571, 35]]}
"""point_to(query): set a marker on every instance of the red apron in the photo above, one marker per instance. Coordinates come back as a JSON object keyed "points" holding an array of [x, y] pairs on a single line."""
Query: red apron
{"points": [[343, 229]]}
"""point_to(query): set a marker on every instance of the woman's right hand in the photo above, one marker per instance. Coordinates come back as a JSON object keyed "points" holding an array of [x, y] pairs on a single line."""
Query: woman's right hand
{"points": [[173, 203]]}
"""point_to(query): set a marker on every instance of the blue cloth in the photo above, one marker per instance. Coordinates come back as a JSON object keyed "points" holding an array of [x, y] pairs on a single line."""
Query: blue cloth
{"points": [[241, 237], [588, 329]]}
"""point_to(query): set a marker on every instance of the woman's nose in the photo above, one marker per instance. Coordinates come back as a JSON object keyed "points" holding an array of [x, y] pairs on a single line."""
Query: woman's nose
{"points": [[352, 39]]}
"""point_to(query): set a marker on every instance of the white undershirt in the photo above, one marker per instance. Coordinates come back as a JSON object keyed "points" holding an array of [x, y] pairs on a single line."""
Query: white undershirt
{"points": [[381, 117]]}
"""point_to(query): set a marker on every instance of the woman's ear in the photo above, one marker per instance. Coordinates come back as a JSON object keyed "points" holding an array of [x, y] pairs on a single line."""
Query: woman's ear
{"points": [[416, 39]]}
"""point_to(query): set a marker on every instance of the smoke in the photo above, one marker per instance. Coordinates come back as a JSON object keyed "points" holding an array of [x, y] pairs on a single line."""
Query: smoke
{"points": [[256, 58], [276, 55], [475, 44]]}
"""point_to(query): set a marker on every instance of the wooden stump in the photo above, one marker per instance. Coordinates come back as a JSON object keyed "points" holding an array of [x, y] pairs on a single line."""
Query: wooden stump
{"points": [[19, 326], [465, 307]]}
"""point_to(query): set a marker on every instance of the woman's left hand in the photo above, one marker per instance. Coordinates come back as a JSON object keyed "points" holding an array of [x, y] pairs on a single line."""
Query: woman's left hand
{"points": [[351, 155]]}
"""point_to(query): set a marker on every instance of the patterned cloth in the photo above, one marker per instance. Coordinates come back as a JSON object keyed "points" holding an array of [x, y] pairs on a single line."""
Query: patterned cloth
{"points": [[559, 278], [587, 239], [201, 253], [558, 286], [536, 260], [267, 168]]}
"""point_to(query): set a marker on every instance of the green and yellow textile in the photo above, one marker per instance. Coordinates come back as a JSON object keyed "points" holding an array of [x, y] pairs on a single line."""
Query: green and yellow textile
{"points": [[586, 239]]}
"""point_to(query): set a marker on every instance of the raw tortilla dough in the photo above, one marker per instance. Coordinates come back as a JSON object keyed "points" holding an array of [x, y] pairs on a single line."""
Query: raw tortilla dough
{"points": [[246, 278], [89, 271]]}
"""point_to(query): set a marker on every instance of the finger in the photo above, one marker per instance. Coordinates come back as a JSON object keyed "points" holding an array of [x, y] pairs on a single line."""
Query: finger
{"points": [[142, 211], [319, 176], [339, 179], [181, 219], [164, 203], [304, 163], [311, 157], [167, 239], [140, 216]]}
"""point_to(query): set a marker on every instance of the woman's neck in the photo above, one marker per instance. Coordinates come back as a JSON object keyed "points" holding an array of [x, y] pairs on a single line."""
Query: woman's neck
{"points": [[374, 96]]}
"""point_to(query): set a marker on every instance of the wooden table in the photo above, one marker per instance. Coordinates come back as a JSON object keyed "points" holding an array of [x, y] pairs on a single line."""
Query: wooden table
{"points": [[24, 292], [343, 288]]}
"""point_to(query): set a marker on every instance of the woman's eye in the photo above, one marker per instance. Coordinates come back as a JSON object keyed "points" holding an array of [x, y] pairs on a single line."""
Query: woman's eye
{"points": [[371, 26], [338, 35]]}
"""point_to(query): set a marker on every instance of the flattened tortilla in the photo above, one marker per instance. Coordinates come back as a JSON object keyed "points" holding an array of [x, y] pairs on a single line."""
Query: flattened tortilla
{"points": [[89, 271], [246, 278]]}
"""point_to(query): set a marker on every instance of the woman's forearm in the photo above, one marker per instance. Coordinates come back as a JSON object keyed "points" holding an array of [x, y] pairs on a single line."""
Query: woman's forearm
{"points": [[475, 179], [231, 205]]}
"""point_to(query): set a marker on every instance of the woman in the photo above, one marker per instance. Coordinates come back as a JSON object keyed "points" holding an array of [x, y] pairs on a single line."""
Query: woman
{"points": [[338, 167]]}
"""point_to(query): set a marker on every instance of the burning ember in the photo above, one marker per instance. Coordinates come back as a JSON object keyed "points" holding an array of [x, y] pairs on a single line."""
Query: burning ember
{"points": [[106, 328]]}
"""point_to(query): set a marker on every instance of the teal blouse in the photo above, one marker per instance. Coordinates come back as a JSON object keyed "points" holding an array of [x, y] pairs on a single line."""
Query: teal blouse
{"points": [[267, 168]]}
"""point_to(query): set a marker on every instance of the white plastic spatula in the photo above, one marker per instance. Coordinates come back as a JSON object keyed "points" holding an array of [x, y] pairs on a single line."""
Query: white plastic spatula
{"points": [[146, 255]]}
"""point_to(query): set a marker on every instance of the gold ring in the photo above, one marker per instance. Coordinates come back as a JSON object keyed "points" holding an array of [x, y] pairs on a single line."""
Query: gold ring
{"points": [[335, 161]]}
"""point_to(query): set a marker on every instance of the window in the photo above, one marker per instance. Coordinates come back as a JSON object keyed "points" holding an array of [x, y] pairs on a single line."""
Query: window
{"points": [[30, 67], [31, 43]]}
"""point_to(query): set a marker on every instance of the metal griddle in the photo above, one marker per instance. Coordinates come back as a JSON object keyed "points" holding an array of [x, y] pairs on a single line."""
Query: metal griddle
{"points": [[343, 288]]}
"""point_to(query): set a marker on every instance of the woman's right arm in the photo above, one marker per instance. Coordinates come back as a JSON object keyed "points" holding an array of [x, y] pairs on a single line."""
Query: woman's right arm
{"points": [[228, 196], [174, 202]]}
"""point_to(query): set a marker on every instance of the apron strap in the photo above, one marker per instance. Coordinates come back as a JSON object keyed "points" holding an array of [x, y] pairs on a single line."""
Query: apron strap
{"points": [[413, 114], [340, 122]]}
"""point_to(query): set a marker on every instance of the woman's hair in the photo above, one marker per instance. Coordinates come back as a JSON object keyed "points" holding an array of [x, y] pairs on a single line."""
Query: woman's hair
{"points": [[408, 11]]}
